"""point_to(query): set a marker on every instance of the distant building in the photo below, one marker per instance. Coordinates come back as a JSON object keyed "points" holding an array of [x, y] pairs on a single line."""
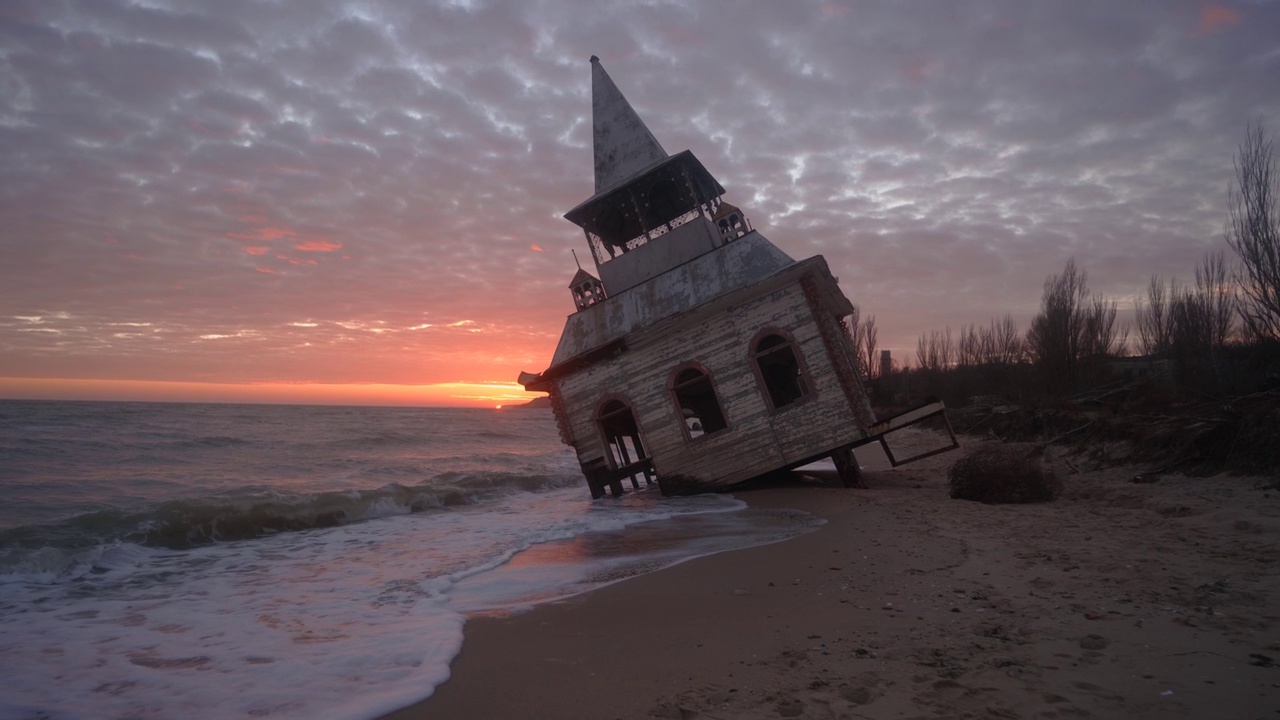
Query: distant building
{"points": [[701, 355]]}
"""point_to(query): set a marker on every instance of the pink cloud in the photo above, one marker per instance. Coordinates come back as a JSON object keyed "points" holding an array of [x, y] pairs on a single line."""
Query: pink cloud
{"points": [[1215, 18], [535, 248], [261, 234], [917, 68], [256, 250], [318, 246]]}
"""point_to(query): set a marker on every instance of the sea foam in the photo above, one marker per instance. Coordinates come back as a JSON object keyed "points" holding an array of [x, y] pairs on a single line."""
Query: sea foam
{"points": [[341, 622], [239, 561]]}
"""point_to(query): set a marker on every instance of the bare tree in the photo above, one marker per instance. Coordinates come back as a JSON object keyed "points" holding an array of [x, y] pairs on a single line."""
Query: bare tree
{"points": [[1202, 323], [935, 351], [864, 335], [1155, 321], [1074, 332], [1054, 337], [1253, 232], [1217, 295], [946, 349], [999, 343], [869, 347], [1006, 344], [969, 349], [1098, 330]]}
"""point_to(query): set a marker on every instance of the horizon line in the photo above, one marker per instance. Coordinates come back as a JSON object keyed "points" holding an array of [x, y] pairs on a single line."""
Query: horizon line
{"points": [[446, 394]]}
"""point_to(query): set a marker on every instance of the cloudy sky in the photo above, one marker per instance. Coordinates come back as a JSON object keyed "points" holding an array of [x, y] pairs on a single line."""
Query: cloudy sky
{"points": [[216, 199]]}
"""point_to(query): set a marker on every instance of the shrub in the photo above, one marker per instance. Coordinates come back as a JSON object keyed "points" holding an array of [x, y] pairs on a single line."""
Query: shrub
{"points": [[1003, 474]]}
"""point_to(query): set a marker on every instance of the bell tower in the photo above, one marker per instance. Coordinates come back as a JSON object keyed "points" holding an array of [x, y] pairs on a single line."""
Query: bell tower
{"points": [[586, 288], [731, 222], [651, 211]]}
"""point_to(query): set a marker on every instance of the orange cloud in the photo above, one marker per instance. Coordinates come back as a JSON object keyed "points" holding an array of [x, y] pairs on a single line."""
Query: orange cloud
{"points": [[256, 250], [1215, 18], [271, 233], [318, 246], [535, 248]]}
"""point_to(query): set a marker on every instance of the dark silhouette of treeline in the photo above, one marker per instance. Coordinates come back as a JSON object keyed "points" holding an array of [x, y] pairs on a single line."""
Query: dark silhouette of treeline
{"points": [[1216, 337]]}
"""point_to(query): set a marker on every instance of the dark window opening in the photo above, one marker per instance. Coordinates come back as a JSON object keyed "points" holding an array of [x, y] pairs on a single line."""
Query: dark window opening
{"points": [[665, 201], [621, 433], [613, 228], [780, 370], [697, 403]]}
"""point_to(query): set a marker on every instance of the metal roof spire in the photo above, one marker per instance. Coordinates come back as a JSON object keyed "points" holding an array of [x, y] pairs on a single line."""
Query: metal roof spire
{"points": [[623, 144]]}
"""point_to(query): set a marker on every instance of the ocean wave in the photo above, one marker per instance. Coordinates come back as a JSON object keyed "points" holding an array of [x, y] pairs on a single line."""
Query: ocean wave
{"points": [[495, 435], [49, 565], [388, 438], [211, 441], [250, 514]]}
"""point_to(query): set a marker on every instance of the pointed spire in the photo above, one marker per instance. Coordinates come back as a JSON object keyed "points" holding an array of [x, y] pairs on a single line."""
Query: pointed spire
{"points": [[623, 144]]}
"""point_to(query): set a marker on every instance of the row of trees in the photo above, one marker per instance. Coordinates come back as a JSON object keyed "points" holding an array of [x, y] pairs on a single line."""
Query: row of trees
{"points": [[1074, 332], [1191, 326], [998, 343], [1229, 317]]}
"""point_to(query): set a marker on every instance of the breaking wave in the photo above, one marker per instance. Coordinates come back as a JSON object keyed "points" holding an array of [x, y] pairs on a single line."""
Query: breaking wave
{"points": [[184, 524]]}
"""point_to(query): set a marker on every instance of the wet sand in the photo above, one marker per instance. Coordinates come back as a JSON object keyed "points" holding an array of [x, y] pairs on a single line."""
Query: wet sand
{"points": [[1118, 600]]}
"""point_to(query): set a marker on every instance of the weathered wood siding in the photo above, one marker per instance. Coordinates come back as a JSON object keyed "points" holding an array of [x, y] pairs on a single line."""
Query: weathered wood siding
{"points": [[757, 439]]}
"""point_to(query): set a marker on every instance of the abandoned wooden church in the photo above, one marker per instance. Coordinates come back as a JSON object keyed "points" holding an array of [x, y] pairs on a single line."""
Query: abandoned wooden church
{"points": [[702, 355]]}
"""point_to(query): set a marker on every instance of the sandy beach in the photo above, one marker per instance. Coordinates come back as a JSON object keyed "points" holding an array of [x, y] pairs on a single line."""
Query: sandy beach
{"points": [[1118, 600]]}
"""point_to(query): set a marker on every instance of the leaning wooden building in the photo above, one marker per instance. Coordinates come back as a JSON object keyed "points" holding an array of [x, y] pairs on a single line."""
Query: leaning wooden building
{"points": [[702, 355]]}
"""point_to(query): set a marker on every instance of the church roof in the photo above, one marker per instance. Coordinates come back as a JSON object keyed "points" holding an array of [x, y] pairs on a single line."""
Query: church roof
{"points": [[582, 276], [729, 268], [726, 209], [682, 164], [623, 144]]}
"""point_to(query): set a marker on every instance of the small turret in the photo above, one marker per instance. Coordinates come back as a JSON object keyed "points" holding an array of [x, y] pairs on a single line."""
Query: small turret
{"points": [[731, 222], [587, 289]]}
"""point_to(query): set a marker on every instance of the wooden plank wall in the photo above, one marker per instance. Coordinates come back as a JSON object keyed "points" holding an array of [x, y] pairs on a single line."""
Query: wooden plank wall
{"points": [[756, 440]]}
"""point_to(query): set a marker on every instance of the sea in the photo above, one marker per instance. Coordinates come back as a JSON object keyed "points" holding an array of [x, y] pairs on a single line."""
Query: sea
{"points": [[169, 560]]}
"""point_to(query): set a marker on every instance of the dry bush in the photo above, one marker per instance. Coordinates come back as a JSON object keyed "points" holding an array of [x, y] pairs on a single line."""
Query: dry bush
{"points": [[1003, 474]]}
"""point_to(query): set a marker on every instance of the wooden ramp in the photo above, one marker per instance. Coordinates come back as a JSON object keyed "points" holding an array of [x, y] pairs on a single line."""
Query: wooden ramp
{"points": [[930, 409]]}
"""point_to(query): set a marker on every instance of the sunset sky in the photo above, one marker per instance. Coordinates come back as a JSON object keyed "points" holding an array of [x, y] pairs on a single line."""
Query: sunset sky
{"points": [[331, 201]]}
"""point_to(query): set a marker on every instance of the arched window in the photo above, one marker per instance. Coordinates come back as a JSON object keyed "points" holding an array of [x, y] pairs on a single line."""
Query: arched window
{"points": [[778, 367], [697, 403]]}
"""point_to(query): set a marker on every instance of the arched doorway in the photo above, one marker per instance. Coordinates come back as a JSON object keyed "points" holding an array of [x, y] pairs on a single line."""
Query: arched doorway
{"points": [[625, 449]]}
